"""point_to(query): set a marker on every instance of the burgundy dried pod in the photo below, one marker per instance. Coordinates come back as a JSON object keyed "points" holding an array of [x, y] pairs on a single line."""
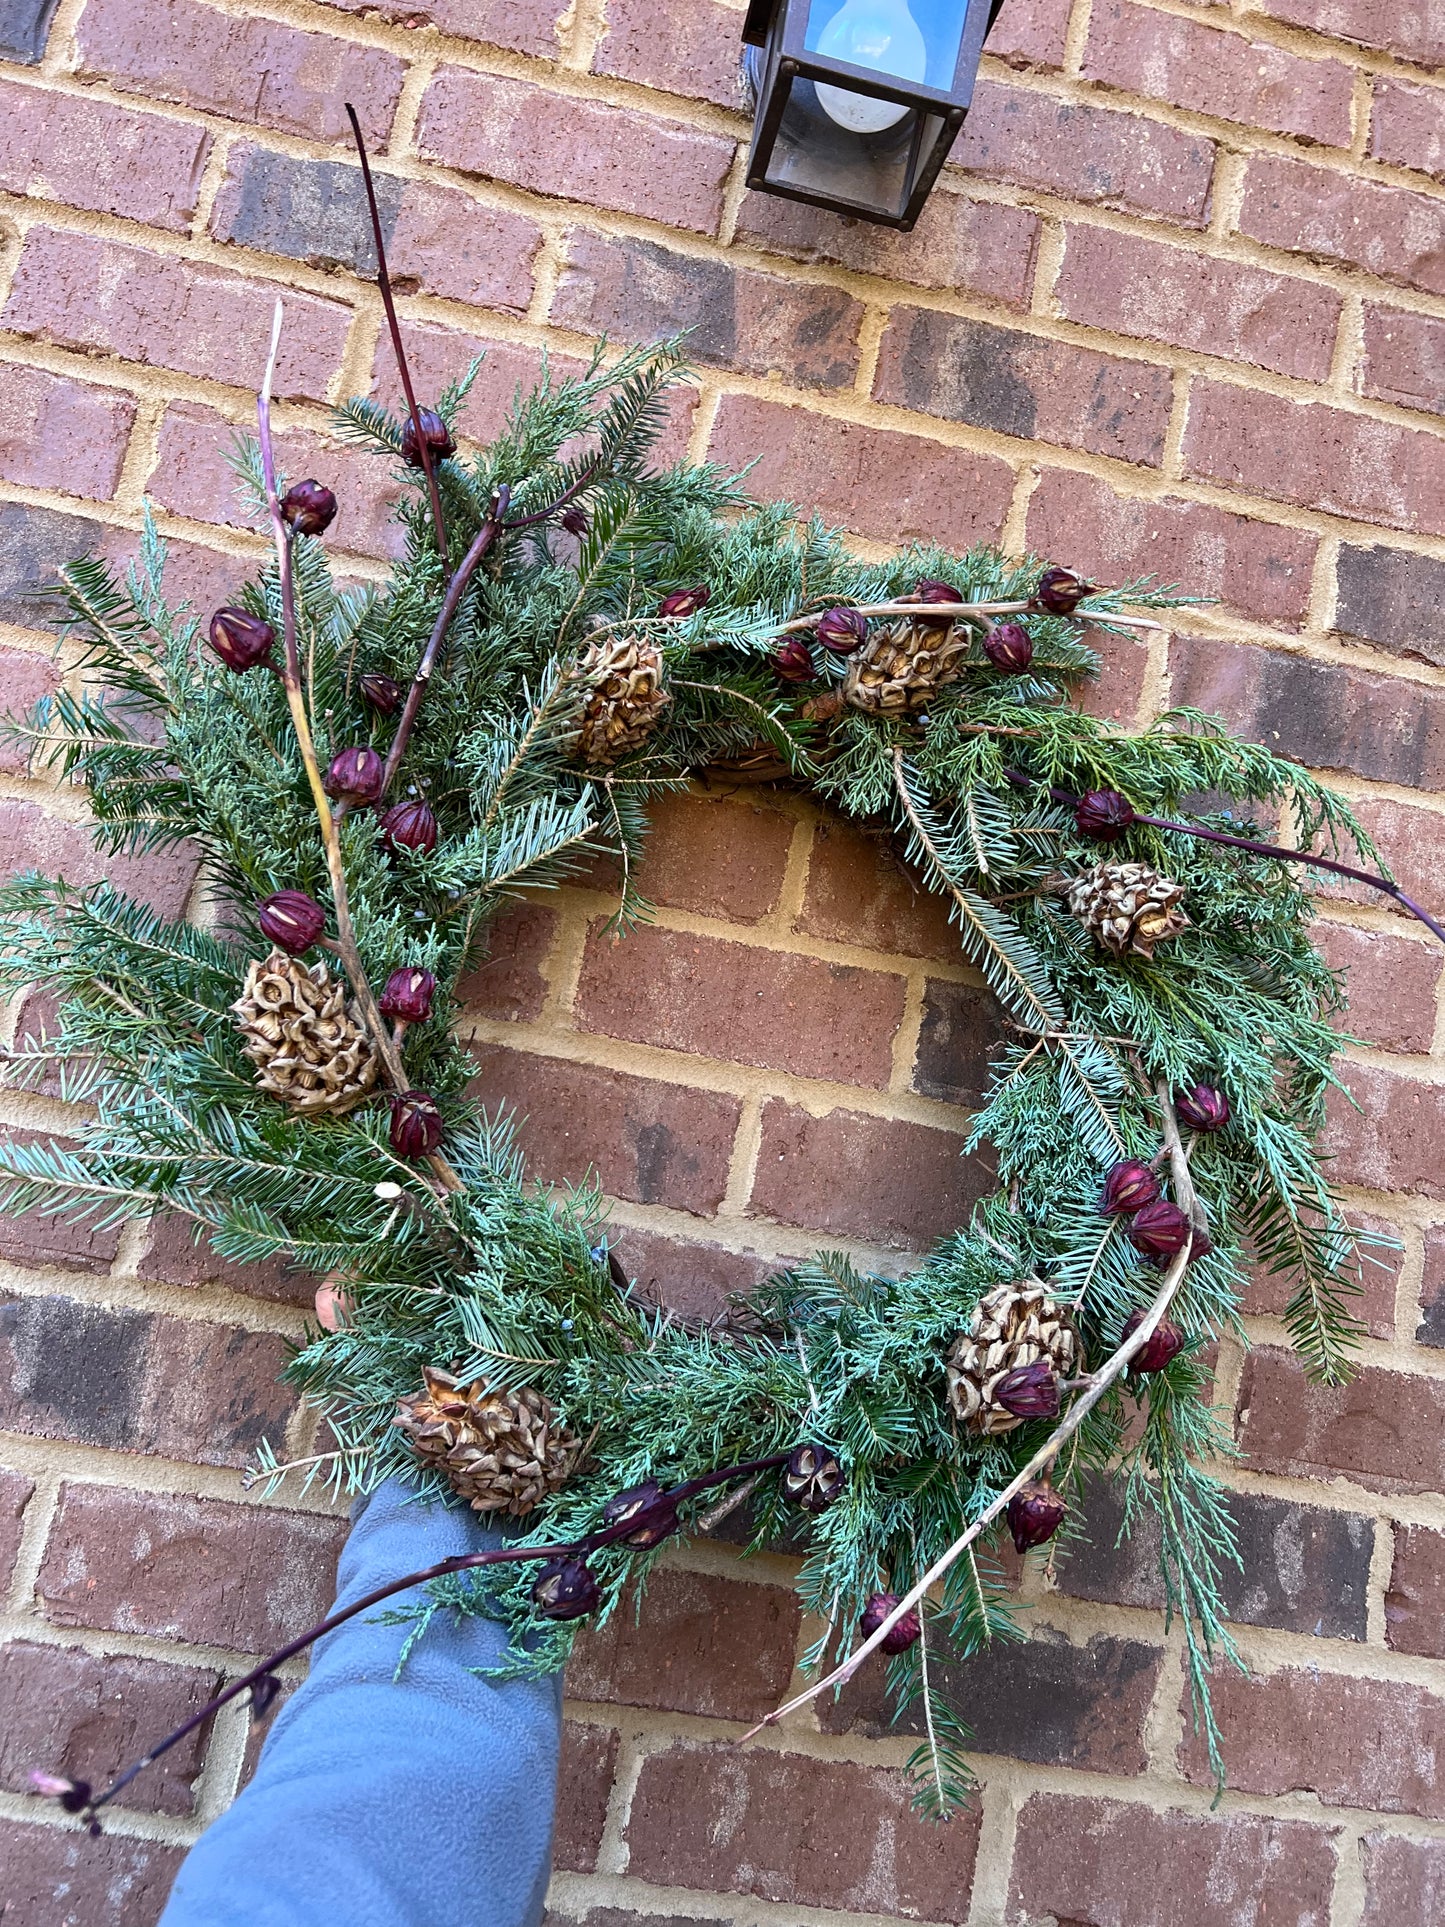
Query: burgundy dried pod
{"points": [[842, 630], [407, 996], [381, 693], [1128, 1186], [73, 1795], [932, 590], [355, 776], [264, 1693], [1202, 1108], [565, 1589], [1160, 1230], [434, 433], [685, 602], [1035, 1513], [410, 825], [1165, 1342], [416, 1124], [1202, 1246], [291, 920], [309, 507], [1104, 814], [898, 1638], [241, 640], [793, 662], [1060, 591], [1029, 1391], [1010, 647], [812, 1478], [575, 520], [647, 1503]]}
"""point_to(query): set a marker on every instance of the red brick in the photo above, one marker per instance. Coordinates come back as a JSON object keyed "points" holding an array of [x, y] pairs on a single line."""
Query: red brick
{"points": [[1404, 1880], [1410, 841], [874, 1178], [29, 839], [1022, 384], [958, 243], [56, 1878], [79, 291], [1408, 29], [1118, 688], [1431, 1330], [92, 154], [757, 323], [438, 240], [812, 1833], [1384, 1429], [722, 858], [584, 1781], [244, 67], [959, 1034], [74, 1713], [691, 1275], [1197, 301], [579, 150], [712, 998], [647, 1141], [704, 1644], [1031, 34], [509, 982], [1315, 456], [1388, 231], [37, 1239], [15, 1493], [1255, 567], [194, 574], [1407, 126], [1387, 1144], [25, 676], [1378, 1276], [1352, 1742], [1105, 1863], [173, 1257], [1415, 1600], [521, 26], [1086, 153], [62, 434], [899, 488], [690, 50], [859, 891], [202, 1571], [1189, 64], [1404, 358], [1393, 984]]}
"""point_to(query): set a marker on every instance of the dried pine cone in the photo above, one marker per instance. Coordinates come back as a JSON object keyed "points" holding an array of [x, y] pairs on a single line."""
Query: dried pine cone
{"points": [[626, 698], [308, 1045], [1128, 907], [1012, 1326], [899, 669], [500, 1451]]}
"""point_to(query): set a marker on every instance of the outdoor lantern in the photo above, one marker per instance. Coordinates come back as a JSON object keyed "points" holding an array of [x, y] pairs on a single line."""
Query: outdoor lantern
{"points": [[858, 101]]}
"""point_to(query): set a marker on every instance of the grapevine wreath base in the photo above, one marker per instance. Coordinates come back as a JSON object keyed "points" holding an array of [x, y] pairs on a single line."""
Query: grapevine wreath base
{"points": [[373, 774]]}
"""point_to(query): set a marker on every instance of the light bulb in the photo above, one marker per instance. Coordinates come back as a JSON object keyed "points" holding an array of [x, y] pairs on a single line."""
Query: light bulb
{"points": [[883, 35]]}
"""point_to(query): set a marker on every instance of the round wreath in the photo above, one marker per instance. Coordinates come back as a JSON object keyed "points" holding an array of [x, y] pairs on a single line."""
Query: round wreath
{"points": [[372, 774]]}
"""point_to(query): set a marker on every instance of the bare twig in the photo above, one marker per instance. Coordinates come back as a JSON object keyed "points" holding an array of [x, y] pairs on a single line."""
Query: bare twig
{"points": [[937, 611]]}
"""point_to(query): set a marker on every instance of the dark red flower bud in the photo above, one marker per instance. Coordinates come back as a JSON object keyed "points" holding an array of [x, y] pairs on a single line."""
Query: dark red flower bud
{"points": [[1009, 646], [241, 640], [309, 507], [1202, 1108], [1127, 1187], [381, 693], [73, 1795], [565, 1589], [898, 1638], [407, 996], [655, 1513], [411, 825], [793, 662], [1160, 1230], [355, 776], [812, 1478], [1202, 1246], [434, 433], [416, 1124], [265, 1691], [1029, 1391], [1060, 591], [1035, 1513], [291, 920], [931, 590], [575, 520], [842, 630], [1104, 814], [1166, 1341], [685, 602]]}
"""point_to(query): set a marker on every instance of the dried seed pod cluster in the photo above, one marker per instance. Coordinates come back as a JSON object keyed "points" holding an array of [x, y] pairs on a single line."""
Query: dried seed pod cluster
{"points": [[1013, 1326]]}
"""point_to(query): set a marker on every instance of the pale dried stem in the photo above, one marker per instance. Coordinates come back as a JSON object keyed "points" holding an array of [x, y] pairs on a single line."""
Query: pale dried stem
{"points": [[960, 610]]}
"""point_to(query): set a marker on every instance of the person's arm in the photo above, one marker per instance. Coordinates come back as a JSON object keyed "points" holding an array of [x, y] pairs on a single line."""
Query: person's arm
{"points": [[385, 1802]]}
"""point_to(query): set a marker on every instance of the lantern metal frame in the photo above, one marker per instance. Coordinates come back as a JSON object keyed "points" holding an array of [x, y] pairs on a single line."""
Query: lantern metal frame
{"points": [[775, 59]]}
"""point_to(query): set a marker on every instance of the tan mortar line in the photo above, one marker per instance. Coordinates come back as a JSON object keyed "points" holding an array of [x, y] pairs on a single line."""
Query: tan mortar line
{"points": [[101, 1643], [35, 1523], [755, 1236], [1226, 193], [1347, 366], [1076, 36], [126, 1823], [578, 1893], [1362, 101], [225, 1756], [1310, 42], [1347, 1903], [38, 1458]]}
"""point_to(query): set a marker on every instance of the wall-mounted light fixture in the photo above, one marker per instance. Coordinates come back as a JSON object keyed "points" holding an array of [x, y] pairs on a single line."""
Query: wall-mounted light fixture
{"points": [[858, 101]]}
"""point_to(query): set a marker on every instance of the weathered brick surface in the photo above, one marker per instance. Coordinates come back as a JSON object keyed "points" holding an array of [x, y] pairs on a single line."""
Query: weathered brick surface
{"points": [[15, 1494], [65, 1879], [1388, 231], [1377, 1277], [1383, 1429], [957, 1042], [1393, 984], [1415, 1602], [1404, 358], [1389, 597], [25, 676], [57, 847], [1381, 1143], [722, 858], [199, 1570], [584, 1777], [858, 891], [693, 1275], [173, 1256], [94, 154], [1404, 1879], [62, 434], [1407, 126], [1031, 34], [1413, 31], [508, 981], [681, 50], [35, 544]]}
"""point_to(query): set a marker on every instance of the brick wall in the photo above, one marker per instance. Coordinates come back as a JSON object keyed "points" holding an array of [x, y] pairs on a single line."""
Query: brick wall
{"points": [[1178, 305]]}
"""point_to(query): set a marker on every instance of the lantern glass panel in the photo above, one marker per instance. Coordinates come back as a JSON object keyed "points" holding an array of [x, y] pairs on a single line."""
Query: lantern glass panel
{"points": [[914, 41], [830, 146]]}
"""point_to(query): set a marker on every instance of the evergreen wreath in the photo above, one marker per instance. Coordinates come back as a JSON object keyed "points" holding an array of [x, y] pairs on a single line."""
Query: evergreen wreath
{"points": [[373, 775]]}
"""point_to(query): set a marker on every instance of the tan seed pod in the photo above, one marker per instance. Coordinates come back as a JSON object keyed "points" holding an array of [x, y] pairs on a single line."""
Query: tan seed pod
{"points": [[308, 1044], [1012, 1326], [1128, 907], [900, 668], [500, 1451], [626, 699]]}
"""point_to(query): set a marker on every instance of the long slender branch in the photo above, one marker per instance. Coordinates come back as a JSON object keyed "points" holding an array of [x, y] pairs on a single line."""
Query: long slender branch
{"points": [[1100, 1382], [936, 611]]}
